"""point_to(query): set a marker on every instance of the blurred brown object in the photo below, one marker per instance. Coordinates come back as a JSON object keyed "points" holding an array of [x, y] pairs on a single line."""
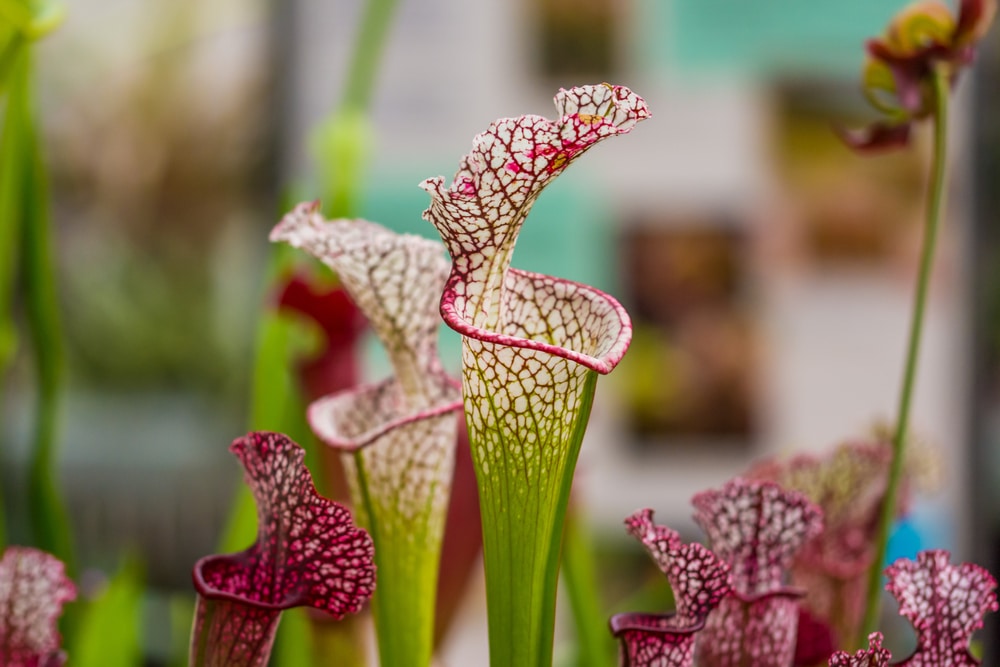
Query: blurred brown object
{"points": [[692, 365], [579, 38]]}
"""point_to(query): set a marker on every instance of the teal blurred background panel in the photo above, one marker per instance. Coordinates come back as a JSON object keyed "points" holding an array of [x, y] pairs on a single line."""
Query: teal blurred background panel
{"points": [[762, 36]]}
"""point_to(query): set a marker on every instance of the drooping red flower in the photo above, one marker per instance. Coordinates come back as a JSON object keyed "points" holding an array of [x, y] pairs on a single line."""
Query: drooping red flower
{"points": [[33, 590], [308, 553], [699, 581], [945, 603], [873, 656], [897, 76], [756, 527]]}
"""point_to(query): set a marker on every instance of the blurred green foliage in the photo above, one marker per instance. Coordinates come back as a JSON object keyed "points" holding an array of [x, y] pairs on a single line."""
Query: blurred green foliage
{"points": [[116, 612]]}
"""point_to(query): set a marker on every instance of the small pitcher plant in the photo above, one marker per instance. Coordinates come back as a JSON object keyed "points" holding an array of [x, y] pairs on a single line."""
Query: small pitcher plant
{"points": [[308, 553], [399, 435], [33, 589]]}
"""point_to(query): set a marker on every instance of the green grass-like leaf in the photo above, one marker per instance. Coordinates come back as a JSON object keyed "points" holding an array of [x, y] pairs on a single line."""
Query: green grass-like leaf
{"points": [[24, 241], [293, 645], [50, 520], [11, 161], [110, 628]]}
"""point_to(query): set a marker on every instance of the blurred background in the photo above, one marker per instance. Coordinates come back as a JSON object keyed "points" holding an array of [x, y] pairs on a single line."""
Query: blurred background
{"points": [[768, 270]]}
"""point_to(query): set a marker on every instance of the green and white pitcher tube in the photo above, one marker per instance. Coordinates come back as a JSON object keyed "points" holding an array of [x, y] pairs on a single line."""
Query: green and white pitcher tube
{"points": [[532, 348]]}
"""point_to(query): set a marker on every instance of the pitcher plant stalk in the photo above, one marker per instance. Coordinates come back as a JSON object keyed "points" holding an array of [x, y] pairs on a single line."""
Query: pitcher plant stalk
{"points": [[532, 346], [398, 436]]}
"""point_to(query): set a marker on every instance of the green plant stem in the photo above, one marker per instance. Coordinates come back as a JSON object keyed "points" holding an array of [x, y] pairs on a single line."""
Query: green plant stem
{"points": [[367, 54], [343, 164], [345, 138], [935, 204]]}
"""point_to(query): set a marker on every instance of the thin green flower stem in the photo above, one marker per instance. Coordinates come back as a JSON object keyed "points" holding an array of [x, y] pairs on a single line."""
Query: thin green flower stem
{"points": [[275, 404], [349, 124], [935, 204], [343, 202], [367, 54]]}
